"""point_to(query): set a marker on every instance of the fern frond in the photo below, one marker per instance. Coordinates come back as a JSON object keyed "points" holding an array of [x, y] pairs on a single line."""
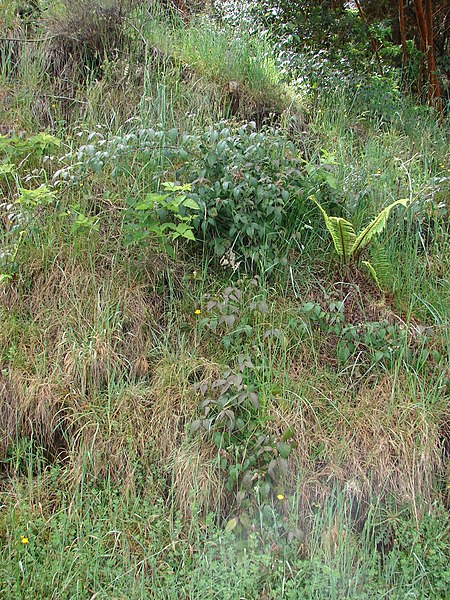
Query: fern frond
{"points": [[342, 233], [343, 236], [380, 262], [372, 273], [375, 227]]}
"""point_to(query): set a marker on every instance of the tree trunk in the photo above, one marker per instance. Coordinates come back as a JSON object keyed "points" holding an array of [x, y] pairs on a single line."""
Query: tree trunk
{"points": [[425, 24]]}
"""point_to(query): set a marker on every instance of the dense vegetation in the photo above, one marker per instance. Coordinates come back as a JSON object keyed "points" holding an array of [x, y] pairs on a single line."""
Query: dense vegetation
{"points": [[224, 301]]}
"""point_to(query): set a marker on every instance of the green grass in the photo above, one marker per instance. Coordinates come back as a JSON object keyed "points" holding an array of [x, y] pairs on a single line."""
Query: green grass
{"points": [[220, 56], [98, 541], [102, 352]]}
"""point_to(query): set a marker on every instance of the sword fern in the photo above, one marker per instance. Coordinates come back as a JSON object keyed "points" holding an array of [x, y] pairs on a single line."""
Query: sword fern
{"points": [[347, 243]]}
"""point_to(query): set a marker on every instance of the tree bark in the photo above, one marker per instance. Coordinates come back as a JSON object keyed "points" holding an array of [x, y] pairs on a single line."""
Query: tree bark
{"points": [[425, 24]]}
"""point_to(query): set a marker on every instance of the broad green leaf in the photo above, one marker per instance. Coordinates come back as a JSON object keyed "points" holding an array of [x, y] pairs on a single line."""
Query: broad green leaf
{"points": [[284, 449], [161, 228], [331, 180], [145, 205], [154, 197], [183, 154], [42, 140], [245, 520], [231, 525], [289, 434], [211, 159], [189, 203], [185, 231], [170, 186], [168, 248], [41, 196], [375, 227], [172, 134], [379, 355], [264, 489]]}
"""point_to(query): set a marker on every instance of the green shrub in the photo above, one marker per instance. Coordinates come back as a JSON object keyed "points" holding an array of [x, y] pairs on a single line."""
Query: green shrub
{"points": [[250, 185], [244, 180], [368, 343], [152, 216]]}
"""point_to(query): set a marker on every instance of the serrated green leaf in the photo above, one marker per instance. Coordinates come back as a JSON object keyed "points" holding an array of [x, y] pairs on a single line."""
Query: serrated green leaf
{"points": [[264, 489], [189, 203], [185, 231]]}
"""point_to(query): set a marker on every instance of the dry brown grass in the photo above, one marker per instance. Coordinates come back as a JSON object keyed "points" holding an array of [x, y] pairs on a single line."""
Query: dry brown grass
{"points": [[32, 407], [83, 380], [189, 463], [69, 333], [132, 427], [111, 435], [88, 386], [83, 33], [196, 483], [87, 322], [380, 441]]}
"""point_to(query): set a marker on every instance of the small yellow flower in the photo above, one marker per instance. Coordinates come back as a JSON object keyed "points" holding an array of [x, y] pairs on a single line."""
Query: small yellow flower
{"points": [[24, 539], [53, 105], [280, 497], [198, 311]]}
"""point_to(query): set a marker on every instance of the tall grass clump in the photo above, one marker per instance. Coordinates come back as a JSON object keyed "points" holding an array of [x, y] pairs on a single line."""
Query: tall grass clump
{"points": [[243, 67], [67, 47]]}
